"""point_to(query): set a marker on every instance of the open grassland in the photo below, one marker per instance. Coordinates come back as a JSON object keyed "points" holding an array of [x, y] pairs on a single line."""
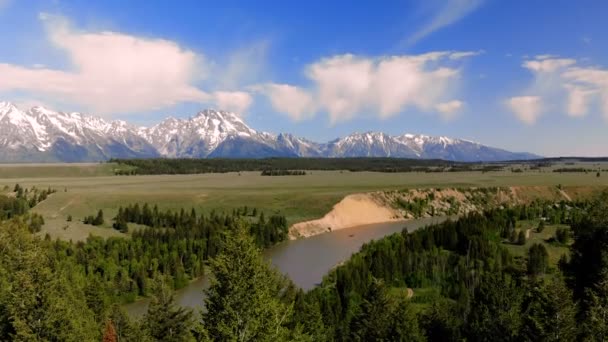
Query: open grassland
{"points": [[56, 170], [554, 249], [85, 188]]}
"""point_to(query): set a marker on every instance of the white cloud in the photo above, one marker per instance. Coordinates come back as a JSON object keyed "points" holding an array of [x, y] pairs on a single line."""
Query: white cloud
{"points": [[293, 101], [578, 100], [567, 87], [545, 63], [347, 85], [593, 76], [465, 54], [594, 81], [235, 101], [544, 56], [343, 84], [526, 108], [451, 12], [244, 66], [112, 72], [449, 110]]}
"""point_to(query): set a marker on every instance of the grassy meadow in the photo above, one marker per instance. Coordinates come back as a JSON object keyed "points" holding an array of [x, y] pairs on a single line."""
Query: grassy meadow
{"points": [[85, 188], [554, 249]]}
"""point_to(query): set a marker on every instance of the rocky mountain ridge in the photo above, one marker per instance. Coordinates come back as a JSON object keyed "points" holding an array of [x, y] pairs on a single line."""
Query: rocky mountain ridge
{"points": [[42, 135]]}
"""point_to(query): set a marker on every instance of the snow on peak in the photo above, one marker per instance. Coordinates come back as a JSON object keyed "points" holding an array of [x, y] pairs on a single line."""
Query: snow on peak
{"points": [[202, 132], [6, 106], [39, 128]]}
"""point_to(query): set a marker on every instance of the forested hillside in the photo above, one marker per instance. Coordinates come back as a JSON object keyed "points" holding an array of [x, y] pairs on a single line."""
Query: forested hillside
{"points": [[64, 291], [467, 283], [474, 288]]}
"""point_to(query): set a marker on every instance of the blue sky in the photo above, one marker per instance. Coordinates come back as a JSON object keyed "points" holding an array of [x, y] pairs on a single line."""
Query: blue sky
{"points": [[523, 75]]}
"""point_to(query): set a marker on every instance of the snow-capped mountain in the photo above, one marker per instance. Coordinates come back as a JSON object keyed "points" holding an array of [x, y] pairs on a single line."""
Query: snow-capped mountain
{"points": [[374, 144], [199, 136], [290, 144], [429, 147], [370, 144], [43, 135]]}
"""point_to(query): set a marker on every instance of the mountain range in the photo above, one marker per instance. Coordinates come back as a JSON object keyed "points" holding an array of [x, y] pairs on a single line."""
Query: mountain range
{"points": [[42, 135]]}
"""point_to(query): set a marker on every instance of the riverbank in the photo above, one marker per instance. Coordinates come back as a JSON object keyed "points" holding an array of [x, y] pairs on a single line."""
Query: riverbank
{"points": [[354, 210], [304, 261], [402, 205]]}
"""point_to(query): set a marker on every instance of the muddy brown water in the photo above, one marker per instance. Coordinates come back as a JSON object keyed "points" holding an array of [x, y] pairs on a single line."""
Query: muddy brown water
{"points": [[305, 261]]}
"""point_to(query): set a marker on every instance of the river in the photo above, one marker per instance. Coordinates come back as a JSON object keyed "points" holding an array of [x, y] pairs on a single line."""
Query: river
{"points": [[305, 261]]}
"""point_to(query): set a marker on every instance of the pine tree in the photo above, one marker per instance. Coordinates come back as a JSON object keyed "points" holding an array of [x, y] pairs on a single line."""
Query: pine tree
{"points": [[98, 221], [596, 320], [541, 227], [440, 322], [404, 323], [538, 260], [165, 321], [121, 225], [589, 252], [521, 238], [39, 301], [307, 313], [126, 330], [550, 312], [244, 300], [496, 309], [513, 236], [371, 323], [562, 235]]}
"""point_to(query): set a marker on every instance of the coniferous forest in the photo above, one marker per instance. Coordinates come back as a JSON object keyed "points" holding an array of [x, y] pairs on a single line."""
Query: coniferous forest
{"points": [[476, 289], [274, 166], [307, 171]]}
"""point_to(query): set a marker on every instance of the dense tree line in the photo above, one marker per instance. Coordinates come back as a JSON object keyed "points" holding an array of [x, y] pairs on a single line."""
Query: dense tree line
{"points": [[177, 245], [219, 165], [12, 206], [266, 231], [193, 166], [21, 200], [573, 170], [273, 172]]}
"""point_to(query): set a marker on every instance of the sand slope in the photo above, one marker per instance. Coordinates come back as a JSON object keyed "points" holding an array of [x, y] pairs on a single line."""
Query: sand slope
{"points": [[353, 210]]}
